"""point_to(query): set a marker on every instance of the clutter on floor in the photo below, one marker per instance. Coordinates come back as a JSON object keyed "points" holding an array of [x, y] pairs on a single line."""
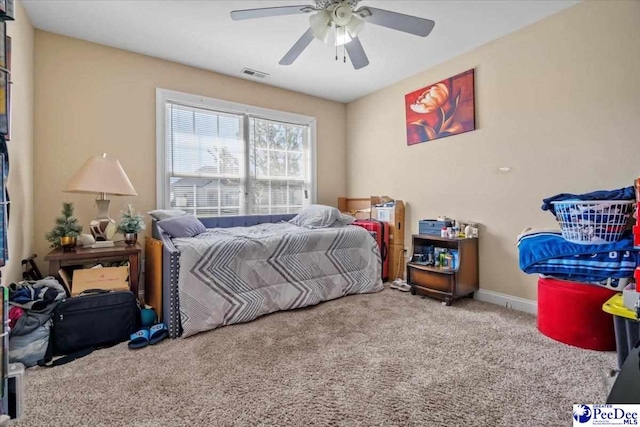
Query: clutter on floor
{"points": [[46, 322], [582, 265], [31, 306], [92, 320]]}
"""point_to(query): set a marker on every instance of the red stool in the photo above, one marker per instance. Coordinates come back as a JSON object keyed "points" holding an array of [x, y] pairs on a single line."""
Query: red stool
{"points": [[571, 313]]}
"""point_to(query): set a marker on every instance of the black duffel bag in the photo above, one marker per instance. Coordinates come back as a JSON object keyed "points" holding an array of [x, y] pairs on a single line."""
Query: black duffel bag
{"points": [[94, 319]]}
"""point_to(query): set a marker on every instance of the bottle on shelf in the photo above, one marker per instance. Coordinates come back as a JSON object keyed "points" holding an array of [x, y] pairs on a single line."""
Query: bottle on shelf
{"points": [[450, 233], [448, 260]]}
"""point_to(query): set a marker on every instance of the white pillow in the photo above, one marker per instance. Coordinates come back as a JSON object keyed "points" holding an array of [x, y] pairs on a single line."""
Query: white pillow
{"points": [[316, 216], [160, 214]]}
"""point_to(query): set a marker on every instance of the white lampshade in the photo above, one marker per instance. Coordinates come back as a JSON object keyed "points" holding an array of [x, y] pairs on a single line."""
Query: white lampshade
{"points": [[354, 26], [320, 25], [101, 175]]}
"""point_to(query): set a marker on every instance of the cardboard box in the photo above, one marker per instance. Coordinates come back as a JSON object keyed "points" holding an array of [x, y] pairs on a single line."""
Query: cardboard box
{"points": [[107, 278], [385, 214]]}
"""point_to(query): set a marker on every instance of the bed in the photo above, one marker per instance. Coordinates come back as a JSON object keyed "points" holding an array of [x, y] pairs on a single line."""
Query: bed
{"points": [[247, 266]]}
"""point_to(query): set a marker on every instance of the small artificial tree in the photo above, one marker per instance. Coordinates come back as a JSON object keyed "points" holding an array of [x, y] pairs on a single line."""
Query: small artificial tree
{"points": [[131, 222], [67, 225]]}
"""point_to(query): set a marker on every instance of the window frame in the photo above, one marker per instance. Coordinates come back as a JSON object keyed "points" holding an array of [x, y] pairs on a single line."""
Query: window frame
{"points": [[195, 101]]}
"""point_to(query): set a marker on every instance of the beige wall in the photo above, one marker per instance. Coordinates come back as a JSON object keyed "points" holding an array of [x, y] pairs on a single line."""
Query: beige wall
{"points": [[558, 102], [93, 99], [20, 182]]}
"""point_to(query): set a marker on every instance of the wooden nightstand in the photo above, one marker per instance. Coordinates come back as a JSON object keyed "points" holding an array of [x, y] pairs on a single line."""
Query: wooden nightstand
{"points": [[445, 283], [120, 252]]}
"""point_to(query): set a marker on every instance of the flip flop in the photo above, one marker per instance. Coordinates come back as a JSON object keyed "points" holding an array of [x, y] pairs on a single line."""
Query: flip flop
{"points": [[158, 333], [139, 339]]}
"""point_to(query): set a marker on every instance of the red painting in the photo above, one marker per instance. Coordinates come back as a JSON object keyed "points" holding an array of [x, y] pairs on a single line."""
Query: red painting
{"points": [[442, 109]]}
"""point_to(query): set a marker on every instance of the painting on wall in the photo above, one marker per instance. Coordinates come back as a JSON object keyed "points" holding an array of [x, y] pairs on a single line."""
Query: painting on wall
{"points": [[442, 109]]}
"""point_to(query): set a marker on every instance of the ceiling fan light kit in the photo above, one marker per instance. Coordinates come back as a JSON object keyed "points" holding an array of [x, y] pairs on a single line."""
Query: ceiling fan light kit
{"points": [[354, 26], [346, 22], [320, 24]]}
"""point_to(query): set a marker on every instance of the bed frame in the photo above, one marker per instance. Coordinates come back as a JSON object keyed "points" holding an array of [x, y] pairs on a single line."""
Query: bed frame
{"points": [[171, 264]]}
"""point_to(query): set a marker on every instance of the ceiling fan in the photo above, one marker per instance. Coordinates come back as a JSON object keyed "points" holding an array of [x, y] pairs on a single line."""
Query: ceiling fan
{"points": [[342, 19]]}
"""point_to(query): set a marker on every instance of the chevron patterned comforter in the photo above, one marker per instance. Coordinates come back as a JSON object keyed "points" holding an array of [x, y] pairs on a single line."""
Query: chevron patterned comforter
{"points": [[233, 275]]}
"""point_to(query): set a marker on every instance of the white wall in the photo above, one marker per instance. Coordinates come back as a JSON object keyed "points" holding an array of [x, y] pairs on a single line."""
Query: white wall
{"points": [[558, 102], [94, 99]]}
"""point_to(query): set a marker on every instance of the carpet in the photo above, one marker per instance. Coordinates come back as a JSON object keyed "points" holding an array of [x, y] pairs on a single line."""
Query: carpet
{"points": [[385, 359]]}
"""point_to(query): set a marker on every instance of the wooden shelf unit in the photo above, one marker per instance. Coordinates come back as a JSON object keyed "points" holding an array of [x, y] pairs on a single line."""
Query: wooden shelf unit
{"points": [[396, 241], [359, 207], [445, 283], [364, 208]]}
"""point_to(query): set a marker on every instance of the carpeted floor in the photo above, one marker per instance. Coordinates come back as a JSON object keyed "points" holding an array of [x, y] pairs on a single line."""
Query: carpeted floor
{"points": [[386, 359]]}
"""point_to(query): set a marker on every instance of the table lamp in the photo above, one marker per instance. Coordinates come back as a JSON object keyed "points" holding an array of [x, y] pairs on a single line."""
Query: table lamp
{"points": [[103, 176]]}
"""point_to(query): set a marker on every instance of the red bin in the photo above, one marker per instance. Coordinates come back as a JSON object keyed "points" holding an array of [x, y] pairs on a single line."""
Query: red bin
{"points": [[571, 312]]}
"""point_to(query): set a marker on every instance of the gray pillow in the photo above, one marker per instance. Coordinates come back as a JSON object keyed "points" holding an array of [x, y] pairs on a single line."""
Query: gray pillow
{"points": [[345, 219], [182, 226], [316, 216], [160, 214]]}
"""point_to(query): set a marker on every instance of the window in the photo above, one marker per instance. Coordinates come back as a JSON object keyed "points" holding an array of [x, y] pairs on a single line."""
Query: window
{"points": [[217, 158]]}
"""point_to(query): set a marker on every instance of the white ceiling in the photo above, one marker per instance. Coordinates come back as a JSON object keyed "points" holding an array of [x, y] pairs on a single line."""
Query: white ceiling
{"points": [[201, 34]]}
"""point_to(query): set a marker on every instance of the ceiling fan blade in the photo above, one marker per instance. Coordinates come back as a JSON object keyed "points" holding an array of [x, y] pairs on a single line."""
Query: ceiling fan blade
{"points": [[297, 48], [265, 12], [401, 22], [356, 53]]}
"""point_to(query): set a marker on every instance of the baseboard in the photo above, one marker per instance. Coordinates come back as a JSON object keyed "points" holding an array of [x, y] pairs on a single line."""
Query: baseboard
{"points": [[515, 303]]}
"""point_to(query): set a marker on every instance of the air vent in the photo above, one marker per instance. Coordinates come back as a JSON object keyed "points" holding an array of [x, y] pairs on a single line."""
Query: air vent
{"points": [[254, 73]]}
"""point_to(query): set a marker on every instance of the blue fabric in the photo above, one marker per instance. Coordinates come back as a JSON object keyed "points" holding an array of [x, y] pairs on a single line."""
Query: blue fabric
{"points": [[21, 295], [244, 221], [233, 221], [548, 253], [182, 226], [627, 193]]}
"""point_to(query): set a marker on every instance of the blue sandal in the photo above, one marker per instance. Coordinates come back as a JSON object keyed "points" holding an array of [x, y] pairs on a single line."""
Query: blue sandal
{"points": [[139, 339], [157, 333]]}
